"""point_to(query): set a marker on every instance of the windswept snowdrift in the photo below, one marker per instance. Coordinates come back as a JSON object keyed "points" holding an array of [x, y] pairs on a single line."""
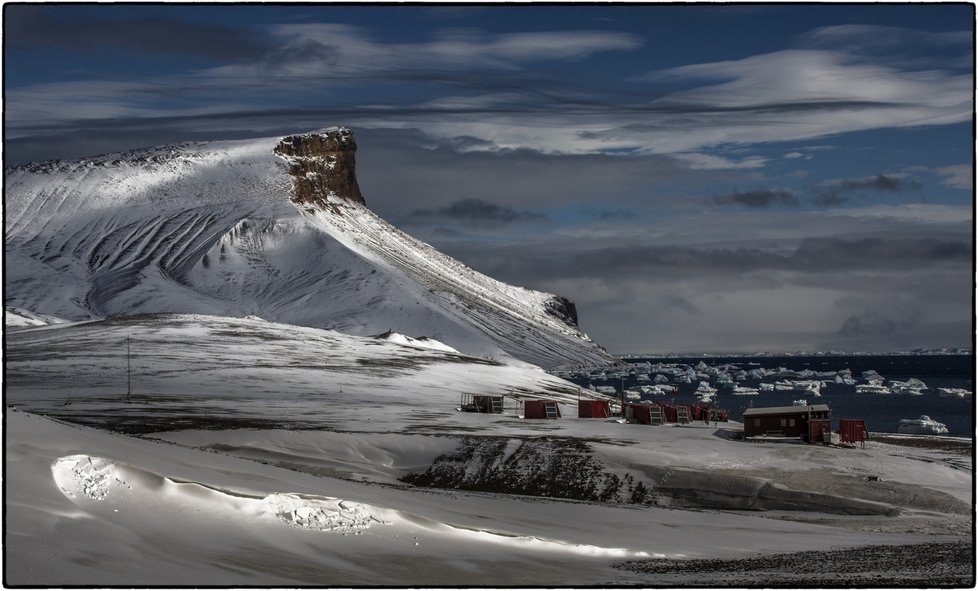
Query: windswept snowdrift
{"points": [[259, 227]]}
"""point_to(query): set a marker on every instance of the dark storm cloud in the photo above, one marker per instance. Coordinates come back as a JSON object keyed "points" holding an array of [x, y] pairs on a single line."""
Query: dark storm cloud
{"points": [[837, 192], [476, 212], [761, 198], [38, 26], [815, 257], [879, 182], [831, 253], [608, 214], [829, 199], [679, 303]]}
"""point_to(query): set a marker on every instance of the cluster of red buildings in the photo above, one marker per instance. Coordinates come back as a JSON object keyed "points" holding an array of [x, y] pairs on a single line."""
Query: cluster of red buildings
{"points": [[651, 413], [810, 423]]}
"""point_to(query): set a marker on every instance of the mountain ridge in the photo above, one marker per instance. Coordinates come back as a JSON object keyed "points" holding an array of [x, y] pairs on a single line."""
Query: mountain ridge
{"points": [[242, 228]]}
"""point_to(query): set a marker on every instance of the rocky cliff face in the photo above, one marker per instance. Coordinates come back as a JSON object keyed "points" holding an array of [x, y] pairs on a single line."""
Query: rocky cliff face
{"points": [[322, 166], [564, 309]]}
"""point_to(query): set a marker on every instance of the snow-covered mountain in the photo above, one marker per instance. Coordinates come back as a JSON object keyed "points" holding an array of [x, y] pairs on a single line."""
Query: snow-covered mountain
{"points": [[272, 227]]}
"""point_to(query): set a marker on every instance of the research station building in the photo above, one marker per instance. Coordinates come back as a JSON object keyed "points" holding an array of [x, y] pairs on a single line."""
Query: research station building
{"points": [[783, 421]]}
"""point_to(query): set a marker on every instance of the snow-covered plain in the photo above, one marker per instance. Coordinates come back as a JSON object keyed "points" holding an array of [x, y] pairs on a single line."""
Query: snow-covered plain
{"points": [[279, 452]]}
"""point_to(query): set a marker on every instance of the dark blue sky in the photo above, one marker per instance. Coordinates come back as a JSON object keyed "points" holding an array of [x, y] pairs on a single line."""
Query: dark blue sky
{"points": [[697, 177]]}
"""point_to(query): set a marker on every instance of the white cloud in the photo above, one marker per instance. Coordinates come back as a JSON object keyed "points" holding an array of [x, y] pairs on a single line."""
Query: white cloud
{"points": [[711, 162], [355, 49], [959, 176]]}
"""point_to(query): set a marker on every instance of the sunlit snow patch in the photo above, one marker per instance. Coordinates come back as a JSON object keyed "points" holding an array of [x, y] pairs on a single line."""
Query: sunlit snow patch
{"points": [[534, 543], [321, 513], [91, 477], [82, 476]]}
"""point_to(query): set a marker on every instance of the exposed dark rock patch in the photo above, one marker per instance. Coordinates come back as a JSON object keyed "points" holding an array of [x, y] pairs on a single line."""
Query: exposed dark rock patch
{"points": [[920, 565], [322, 166], [538, 467], [563, 309]]}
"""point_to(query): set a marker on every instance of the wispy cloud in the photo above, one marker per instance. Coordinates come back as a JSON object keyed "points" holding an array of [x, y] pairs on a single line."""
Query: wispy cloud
{"points": [[478, 86], [354, 51], [895, 45], [959, 176]]}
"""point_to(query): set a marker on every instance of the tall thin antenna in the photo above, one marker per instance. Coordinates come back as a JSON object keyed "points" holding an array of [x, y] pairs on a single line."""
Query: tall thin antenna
{"points": [[128, 373]]}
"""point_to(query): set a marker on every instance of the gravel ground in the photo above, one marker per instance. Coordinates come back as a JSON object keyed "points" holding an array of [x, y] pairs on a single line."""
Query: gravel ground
{"points": [[940, 564]]}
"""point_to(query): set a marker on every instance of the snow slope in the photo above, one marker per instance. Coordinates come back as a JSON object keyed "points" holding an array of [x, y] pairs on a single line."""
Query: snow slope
{"points": [[190, 370], [218, 228]]}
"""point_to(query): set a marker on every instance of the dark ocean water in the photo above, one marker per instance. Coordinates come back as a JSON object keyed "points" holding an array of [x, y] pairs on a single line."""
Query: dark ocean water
{"points": [[882, 413]]}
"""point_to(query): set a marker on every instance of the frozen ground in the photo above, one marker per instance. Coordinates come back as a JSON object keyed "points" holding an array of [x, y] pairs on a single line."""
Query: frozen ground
{"points": [[281, 455], [95, 508]]}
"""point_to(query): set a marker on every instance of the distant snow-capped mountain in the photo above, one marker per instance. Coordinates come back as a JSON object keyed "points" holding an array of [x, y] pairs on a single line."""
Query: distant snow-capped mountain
{"points": [[272, 227]]}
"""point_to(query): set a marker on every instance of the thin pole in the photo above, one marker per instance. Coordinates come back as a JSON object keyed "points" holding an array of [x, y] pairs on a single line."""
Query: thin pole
{"points": [[128, 373]]}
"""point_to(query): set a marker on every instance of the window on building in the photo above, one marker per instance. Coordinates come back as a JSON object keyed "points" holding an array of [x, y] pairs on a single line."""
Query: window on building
{"points": [[791, 422], [757, 422], [784, 422]]}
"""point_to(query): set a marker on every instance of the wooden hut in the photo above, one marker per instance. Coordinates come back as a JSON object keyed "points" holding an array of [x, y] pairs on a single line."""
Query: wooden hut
{"points": [[782, 421]]}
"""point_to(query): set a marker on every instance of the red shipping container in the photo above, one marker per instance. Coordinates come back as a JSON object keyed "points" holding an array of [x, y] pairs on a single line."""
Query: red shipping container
{"points": [[817, 428], [852, 430], [537, 409], [668, 412], [641, 414], [593, 409]]}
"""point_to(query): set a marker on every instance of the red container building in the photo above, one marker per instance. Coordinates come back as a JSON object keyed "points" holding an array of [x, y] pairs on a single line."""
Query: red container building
{"points": [[817, 430], [853, 430], [541, 409], [593, 409]]}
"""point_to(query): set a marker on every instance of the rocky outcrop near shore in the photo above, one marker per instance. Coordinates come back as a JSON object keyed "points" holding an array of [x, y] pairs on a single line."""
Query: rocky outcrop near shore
{"points": [[556, 468]]}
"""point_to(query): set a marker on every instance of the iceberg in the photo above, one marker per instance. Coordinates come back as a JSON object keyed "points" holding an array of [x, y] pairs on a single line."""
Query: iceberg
{"points": [[922, 426]]}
